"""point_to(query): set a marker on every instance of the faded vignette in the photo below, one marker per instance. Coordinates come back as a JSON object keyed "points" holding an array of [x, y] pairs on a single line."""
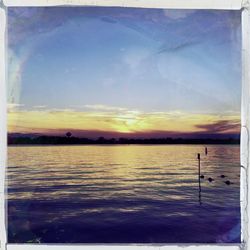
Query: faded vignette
{"points": [[244, 130]]}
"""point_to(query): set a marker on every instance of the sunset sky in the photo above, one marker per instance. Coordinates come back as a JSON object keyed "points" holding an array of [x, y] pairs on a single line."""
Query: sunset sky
{"points": [[124, 72]]}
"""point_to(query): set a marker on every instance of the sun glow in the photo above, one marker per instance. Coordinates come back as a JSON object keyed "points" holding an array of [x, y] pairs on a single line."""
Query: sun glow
{"points": [[117, 121]]}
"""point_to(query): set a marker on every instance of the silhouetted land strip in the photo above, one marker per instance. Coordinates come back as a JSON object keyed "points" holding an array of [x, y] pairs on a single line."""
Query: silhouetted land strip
{"points": [[60, 140]]}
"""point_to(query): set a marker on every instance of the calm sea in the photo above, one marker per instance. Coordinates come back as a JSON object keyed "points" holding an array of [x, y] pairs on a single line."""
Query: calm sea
{"points": [[123, 194]]}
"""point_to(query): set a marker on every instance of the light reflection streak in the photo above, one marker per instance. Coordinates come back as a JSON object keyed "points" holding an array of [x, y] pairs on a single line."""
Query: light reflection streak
{"points": [[154, 173]]}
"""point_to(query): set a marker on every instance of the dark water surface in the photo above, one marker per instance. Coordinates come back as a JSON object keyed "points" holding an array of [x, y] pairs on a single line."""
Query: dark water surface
{"points": [[123, 194]]}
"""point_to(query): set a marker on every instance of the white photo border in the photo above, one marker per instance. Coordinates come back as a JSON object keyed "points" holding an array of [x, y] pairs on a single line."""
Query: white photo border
{"points": [[242, 5]]}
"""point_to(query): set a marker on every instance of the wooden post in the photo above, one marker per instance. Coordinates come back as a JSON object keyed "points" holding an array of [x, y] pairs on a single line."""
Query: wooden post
{"points": [[199, 176], [199, 164]]}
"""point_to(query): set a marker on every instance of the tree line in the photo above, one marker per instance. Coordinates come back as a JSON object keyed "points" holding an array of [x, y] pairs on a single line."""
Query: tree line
{"points": [[68, 139]]}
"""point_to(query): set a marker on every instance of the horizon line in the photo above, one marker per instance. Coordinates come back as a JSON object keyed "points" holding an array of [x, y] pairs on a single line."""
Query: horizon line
{"points": [[71, 140]]}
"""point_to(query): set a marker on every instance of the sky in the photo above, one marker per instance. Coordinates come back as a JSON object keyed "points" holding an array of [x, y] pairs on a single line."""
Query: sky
{"points": [[124, 72]]}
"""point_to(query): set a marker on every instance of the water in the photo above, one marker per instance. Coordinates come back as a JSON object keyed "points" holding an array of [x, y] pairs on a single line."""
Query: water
{"points": [[123, 194]]}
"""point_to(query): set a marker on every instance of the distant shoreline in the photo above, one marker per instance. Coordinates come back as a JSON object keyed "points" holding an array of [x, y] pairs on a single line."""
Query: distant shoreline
{"points": [[59, 140], [111, 145]]}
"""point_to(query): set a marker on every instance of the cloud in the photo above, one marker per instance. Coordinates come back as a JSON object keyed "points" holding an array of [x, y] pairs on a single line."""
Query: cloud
{"points": [[176, 47], [39, 107], [14, 105], [11, 107], [223, 126], [101, 107]]}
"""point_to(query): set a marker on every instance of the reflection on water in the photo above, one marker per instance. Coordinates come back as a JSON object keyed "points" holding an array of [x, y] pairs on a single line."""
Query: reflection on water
{"points": [[123, 193]]}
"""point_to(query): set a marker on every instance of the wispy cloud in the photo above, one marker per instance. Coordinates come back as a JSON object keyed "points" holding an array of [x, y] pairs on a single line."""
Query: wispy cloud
{"points": [[40, 106], [14, 106], [176, 47], [223, 126], [103, 107]]}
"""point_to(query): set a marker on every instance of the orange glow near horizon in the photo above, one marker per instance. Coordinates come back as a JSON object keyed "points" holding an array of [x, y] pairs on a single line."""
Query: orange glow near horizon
{"points": [[120, 121]]}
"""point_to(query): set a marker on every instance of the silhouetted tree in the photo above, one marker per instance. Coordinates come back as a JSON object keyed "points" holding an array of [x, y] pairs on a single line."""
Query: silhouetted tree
{"points": [[68, 134]]}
